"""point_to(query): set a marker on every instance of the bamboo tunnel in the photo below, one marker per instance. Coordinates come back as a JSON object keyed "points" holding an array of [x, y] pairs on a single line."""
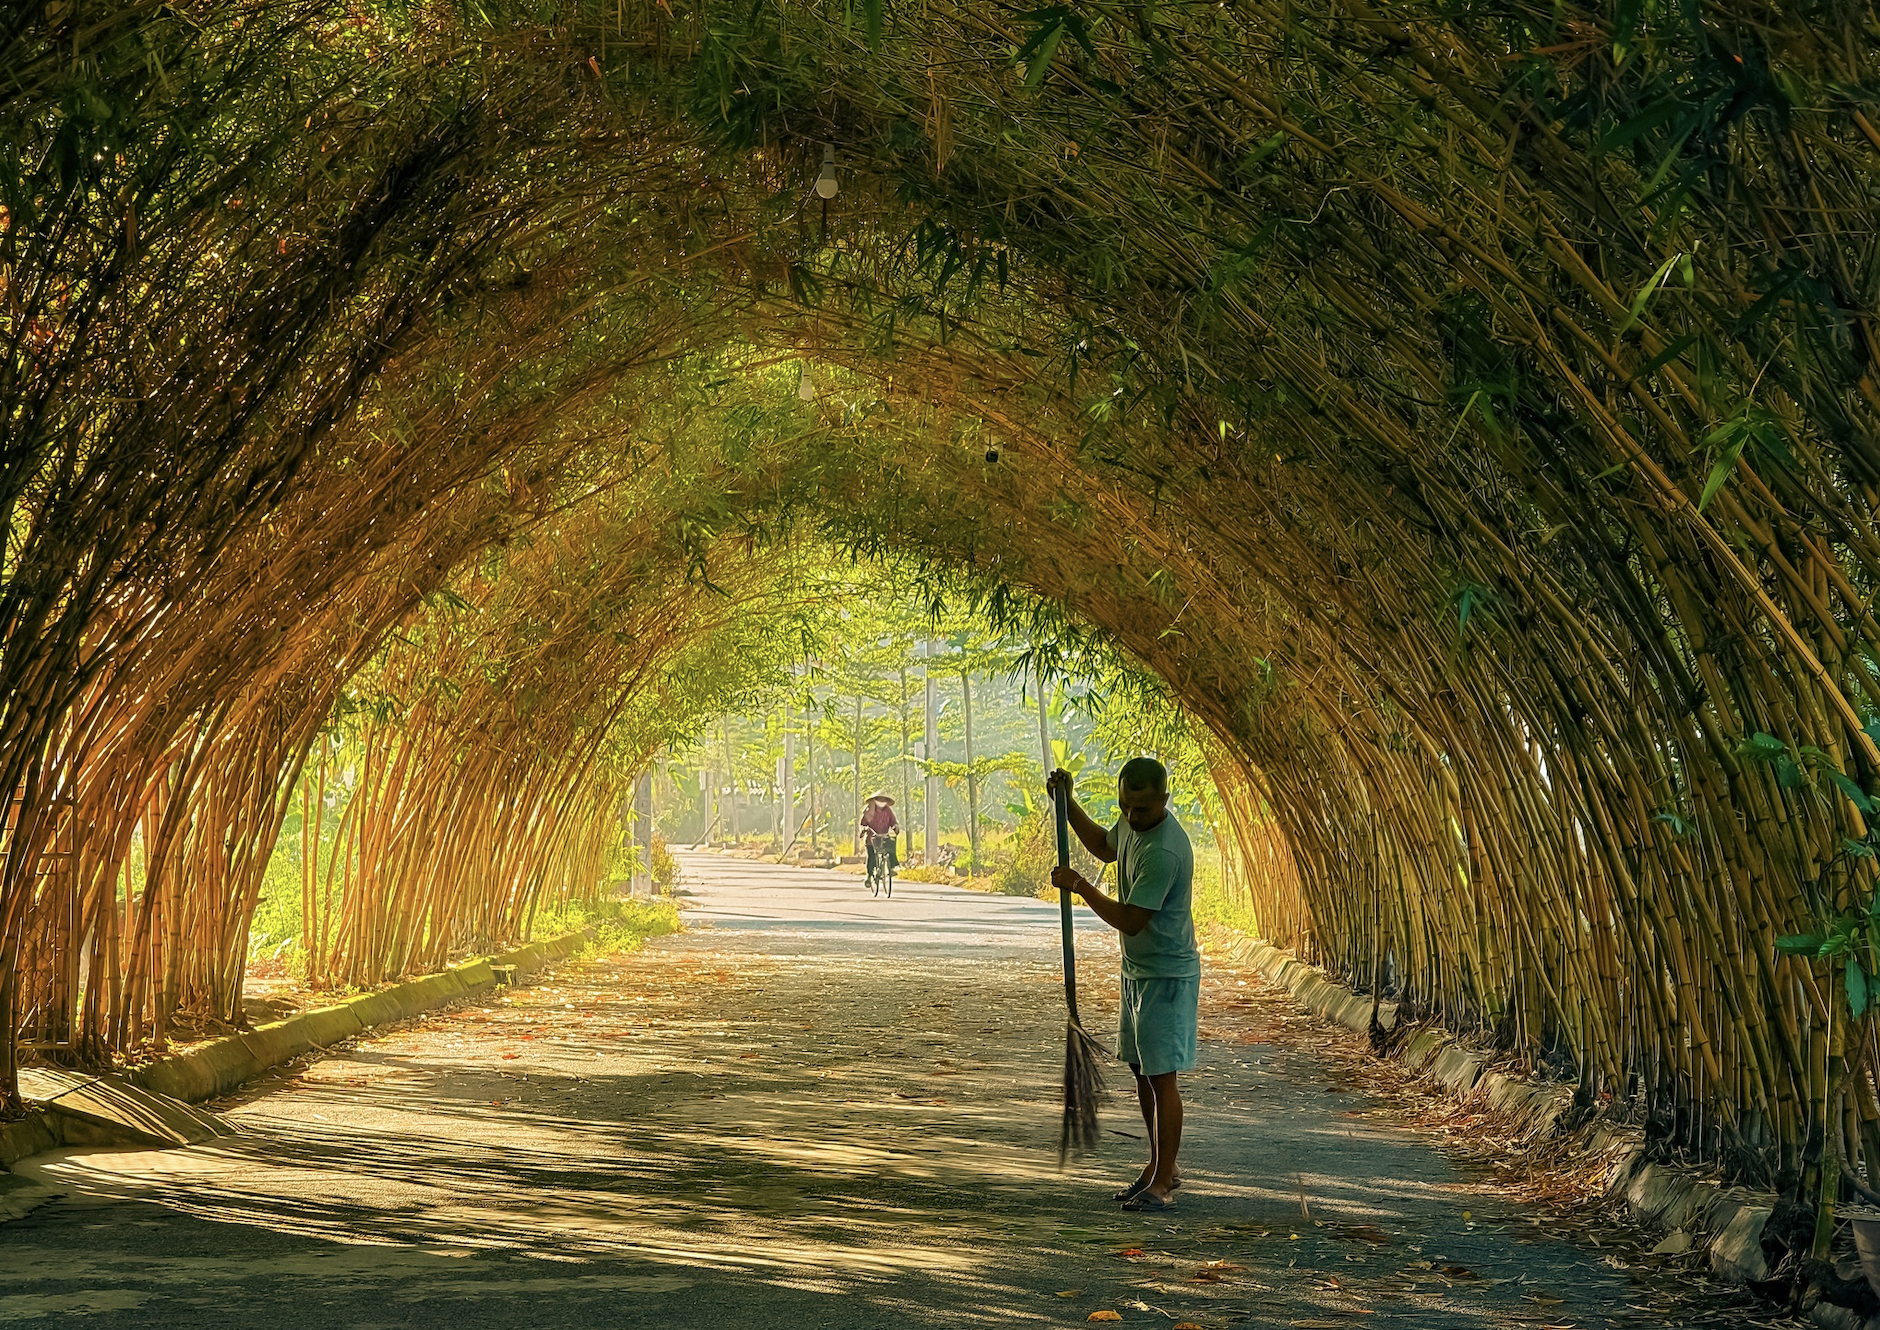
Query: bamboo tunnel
{"points": [[1469, 420]]}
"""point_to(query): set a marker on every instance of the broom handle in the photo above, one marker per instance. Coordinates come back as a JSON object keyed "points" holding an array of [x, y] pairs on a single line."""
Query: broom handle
{"points": [[1061, 807]]}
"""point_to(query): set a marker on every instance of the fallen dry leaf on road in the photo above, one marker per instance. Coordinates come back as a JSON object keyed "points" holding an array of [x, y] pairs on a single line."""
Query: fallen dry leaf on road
{"points": [[1187, 1325], [1129, 1252], [1361, 1233], [1070, 1293], [1104, 1316]]}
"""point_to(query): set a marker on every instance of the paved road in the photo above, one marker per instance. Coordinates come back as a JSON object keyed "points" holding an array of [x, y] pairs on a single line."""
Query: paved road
{"points": [[812, 1109]]}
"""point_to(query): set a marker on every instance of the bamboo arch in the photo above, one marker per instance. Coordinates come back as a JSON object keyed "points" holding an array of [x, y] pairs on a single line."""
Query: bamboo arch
{"points": [[1471, 419]]}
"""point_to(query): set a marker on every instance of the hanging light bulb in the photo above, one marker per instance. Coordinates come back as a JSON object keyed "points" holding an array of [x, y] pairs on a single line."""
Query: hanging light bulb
{"points": [[826, 185], [804, 388]]}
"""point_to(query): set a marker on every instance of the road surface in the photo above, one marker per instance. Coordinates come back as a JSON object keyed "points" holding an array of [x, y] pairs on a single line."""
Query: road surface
{"points": [[811, 1109]]}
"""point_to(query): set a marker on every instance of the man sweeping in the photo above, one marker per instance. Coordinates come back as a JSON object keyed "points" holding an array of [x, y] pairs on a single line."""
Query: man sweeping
{"points": [[1155, 870]]}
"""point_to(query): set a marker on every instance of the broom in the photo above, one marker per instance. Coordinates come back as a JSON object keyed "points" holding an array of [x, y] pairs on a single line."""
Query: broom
{"points": [[1083, 1056]]}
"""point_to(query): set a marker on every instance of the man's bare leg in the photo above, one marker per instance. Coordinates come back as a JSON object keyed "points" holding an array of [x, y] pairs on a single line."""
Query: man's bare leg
{"points": [[1146, 1098], [1161, 1097]]}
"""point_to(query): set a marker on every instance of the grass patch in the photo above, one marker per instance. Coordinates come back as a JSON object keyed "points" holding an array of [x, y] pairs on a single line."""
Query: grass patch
{"points": [[618, 925]]}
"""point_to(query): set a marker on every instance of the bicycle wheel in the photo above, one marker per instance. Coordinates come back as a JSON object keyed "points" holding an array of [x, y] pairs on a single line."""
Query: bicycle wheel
{"points": [[887, 877]]}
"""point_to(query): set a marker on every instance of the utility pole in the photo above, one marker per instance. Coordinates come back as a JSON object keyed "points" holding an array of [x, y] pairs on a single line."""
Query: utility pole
{"points": [[643, 817], [856, 813], [809, 744], [627, 833], [907, 795], [972, 776], [931, 796], [731, 779], [1044, 724], [788, 835]]}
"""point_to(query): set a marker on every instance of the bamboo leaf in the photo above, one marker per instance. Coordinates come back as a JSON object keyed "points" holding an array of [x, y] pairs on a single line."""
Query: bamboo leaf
{"points": [[1798, 944], [1856, 989], [1469, 599], [1761, 747], [1036, 51], [805, 285], [1645, 292], [1046, 48], [1720, 474], [1268, 146], [1641, 124], [1855, 795], [1669, 354]]}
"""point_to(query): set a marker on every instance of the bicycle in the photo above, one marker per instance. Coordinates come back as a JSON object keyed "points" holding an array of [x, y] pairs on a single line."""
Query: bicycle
{"points": [[880, 864]]}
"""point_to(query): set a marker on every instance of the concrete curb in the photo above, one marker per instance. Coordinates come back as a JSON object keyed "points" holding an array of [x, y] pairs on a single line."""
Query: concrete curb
{"points": [[1725, 1222], [215, 1068], [219, 1066]]}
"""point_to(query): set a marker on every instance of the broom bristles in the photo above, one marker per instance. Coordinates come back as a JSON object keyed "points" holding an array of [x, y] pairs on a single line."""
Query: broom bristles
{"points": [[1083, 1087]]}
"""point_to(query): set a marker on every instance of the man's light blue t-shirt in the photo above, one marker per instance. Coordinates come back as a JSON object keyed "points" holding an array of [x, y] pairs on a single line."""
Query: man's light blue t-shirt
{"points": [[1156, 870]]}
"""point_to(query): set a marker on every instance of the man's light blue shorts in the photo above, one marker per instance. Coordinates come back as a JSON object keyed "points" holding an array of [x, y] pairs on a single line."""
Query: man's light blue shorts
{"points": [[1156, 1032]]}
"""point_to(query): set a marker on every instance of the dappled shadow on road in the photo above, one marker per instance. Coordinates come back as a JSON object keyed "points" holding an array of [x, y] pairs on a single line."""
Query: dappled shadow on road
{"points": [[836, 1137]]}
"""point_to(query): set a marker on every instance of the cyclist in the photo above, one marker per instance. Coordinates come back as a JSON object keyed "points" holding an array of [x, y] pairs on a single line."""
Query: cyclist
{"points": [[878, 828]]}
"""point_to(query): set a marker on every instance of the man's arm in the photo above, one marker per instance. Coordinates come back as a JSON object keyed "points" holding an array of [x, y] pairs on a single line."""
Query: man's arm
{"points": [[1096, 839], [1126, 919]]}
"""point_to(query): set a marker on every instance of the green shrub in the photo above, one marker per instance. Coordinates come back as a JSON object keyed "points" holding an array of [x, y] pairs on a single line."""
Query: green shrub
{"points": [[1023, 866], [665, 870]]}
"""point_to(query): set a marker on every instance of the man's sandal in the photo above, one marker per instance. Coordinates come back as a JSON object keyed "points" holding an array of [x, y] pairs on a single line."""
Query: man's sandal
{"points": [[1130, 1192], [1148, 1202]]}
